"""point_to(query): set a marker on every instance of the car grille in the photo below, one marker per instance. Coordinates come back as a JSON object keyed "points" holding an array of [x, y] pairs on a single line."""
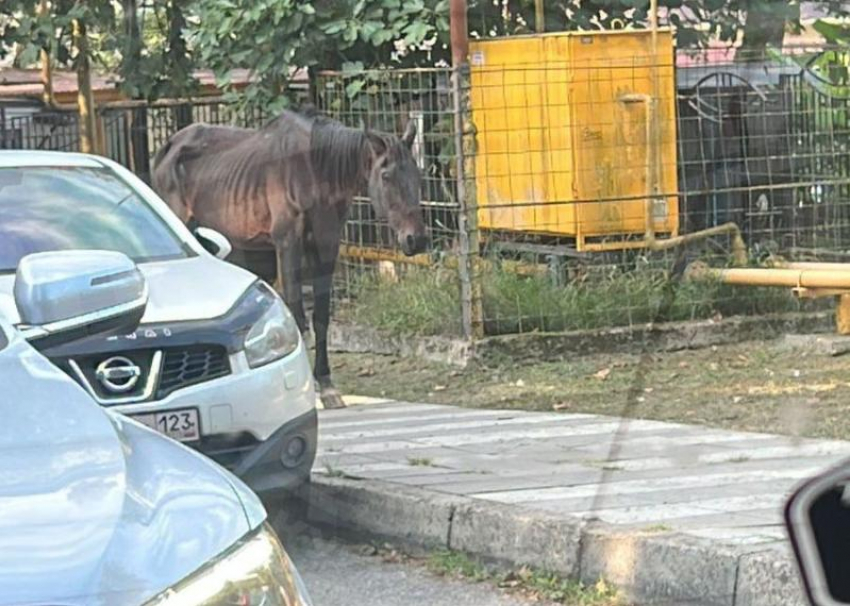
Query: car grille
{"points": [[185, 366]]}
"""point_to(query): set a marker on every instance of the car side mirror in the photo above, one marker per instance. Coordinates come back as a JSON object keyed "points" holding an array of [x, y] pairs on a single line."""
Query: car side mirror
{"points": [[818, 520], [215, 243], [69, 295]]}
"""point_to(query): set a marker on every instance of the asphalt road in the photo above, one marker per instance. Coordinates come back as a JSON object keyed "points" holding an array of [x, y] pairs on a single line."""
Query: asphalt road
{"points": [[337, 575]]}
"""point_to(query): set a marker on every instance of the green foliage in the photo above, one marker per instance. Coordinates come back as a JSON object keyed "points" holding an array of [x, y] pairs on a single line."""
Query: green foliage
{"points": [[23, 26], [152, 62], [696, 21], [156, 63], [537, 584], [455, 563], [273, 38], [424, 302], [427, 301]]}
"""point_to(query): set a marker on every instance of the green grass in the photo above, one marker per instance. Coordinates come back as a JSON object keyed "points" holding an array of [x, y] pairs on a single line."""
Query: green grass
{"points": [[422, 303], [427, 301], [454, 563], [420, 462], [538, 584], [333, 472], [658, 528]]}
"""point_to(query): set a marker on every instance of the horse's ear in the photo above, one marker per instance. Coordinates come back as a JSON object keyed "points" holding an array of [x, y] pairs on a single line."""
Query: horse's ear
{"points": [[377, 143], [409, 136]]}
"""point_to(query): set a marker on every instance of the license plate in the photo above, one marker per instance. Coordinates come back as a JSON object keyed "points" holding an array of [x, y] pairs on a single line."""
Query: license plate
{"points": [[182, 425]]}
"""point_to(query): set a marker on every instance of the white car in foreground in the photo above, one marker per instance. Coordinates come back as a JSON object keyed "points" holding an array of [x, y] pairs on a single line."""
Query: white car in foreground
{"points": [[98, 510], [217, 362]]}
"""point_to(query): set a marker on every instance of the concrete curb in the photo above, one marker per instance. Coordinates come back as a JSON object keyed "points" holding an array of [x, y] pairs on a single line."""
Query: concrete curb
{"points": [[651, 568], [769, 578], [349, 338], [411, 516], [671, 336]]}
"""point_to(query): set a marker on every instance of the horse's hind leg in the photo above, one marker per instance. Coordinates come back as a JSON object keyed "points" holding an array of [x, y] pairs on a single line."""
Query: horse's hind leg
{"points": [[322, 290]]}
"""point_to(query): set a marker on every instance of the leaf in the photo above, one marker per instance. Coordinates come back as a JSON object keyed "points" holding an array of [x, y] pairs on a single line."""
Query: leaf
{"points": [[370, 28], [334, 27], [602, 374], [833, 32], [352, 67], [29, 56], [354, 87], [416, 32]]}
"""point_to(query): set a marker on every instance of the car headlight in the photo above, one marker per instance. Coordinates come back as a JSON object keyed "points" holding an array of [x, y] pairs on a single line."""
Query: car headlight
{"points": [[255, 572], [275, 335]]}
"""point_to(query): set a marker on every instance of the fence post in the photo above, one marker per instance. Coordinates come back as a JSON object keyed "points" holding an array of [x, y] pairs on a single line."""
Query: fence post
{"points": [[472, 312]]}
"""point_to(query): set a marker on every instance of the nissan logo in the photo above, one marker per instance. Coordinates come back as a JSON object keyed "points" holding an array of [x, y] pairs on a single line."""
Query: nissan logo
{"points": [[118, 374]]}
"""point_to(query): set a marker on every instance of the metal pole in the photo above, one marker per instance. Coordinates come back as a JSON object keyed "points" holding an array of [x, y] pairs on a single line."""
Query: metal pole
{"points": [[472, 314], [539, 16], [459, 33], [654, 169]]}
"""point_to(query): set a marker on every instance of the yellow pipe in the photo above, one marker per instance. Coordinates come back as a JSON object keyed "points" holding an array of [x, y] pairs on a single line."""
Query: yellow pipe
{"points": [[739, 248], [789, 278], [368, 253], [813, 265], [812, 280]]}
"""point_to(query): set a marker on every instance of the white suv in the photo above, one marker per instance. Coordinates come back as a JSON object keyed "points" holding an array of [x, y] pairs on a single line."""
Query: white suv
{"points": [[98, 509], [217, 362]]}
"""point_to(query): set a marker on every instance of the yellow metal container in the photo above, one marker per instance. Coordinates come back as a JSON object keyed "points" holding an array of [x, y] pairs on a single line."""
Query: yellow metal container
{"points": [[562, 135]]}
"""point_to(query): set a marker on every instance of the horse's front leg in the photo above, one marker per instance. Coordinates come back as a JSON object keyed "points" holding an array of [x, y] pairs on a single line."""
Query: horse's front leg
{"points": [[322, 293], [289, 247]]}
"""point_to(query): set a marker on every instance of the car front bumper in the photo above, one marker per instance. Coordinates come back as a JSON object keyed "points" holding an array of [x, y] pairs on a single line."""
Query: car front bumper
{"points": [[259, 423]]}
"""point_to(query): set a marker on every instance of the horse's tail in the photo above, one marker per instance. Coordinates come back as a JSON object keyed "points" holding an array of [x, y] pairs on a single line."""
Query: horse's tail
{"points": [[172, 181], [160, 154], [163, 183]]}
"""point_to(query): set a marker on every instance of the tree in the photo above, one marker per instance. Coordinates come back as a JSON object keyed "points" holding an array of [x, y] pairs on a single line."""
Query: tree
{"points": [[141, 39], [153, 59], [273, 38], [757, 24]]}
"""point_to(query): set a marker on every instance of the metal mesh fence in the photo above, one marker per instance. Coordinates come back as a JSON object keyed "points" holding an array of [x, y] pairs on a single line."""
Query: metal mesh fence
{"points": [[134, 131], [581, 157], [55, 130], [765, 144], [386, 101], [572, 216]]}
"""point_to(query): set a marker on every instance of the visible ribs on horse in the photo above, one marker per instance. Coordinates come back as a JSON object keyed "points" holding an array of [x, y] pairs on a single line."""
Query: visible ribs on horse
{"points": [[287, 188]]}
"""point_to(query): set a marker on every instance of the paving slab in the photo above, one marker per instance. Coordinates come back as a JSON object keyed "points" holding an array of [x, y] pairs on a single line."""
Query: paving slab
{"points": [[672, 512]]}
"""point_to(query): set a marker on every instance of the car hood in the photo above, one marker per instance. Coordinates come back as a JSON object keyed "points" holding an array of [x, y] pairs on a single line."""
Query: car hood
{"points": [[198, 288], [94, 508]]}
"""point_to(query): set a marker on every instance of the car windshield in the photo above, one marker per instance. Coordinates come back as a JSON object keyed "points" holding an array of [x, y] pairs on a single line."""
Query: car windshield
{"points": [[75, 208]]}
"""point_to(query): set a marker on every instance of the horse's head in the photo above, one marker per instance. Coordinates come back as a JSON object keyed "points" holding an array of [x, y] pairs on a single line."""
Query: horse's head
{"points": [[394, 188]]}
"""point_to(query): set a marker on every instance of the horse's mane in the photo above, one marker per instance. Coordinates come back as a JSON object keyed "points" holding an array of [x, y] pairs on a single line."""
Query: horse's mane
{"points": [[337, 151]]}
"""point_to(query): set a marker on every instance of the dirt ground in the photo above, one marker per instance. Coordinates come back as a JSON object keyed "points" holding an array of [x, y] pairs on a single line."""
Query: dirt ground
{"points": [[759, 386]]}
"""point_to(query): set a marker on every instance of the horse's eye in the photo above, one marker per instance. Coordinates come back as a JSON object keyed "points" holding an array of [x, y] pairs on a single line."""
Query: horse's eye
{"points": [[385, 174]]}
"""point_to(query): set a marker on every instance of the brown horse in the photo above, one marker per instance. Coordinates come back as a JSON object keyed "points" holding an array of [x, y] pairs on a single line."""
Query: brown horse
{"points": [[287, 187]]}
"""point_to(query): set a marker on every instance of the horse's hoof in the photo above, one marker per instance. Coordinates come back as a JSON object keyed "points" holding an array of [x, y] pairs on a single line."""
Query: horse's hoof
{"points": [[331, 398]]}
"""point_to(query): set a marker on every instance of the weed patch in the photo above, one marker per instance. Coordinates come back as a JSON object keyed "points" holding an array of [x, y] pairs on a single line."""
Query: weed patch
{"points": [[536, 584], [426, 302]]}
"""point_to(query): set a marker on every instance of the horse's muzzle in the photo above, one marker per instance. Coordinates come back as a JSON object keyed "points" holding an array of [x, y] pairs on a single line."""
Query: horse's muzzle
{"points": [[413, 244]]}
